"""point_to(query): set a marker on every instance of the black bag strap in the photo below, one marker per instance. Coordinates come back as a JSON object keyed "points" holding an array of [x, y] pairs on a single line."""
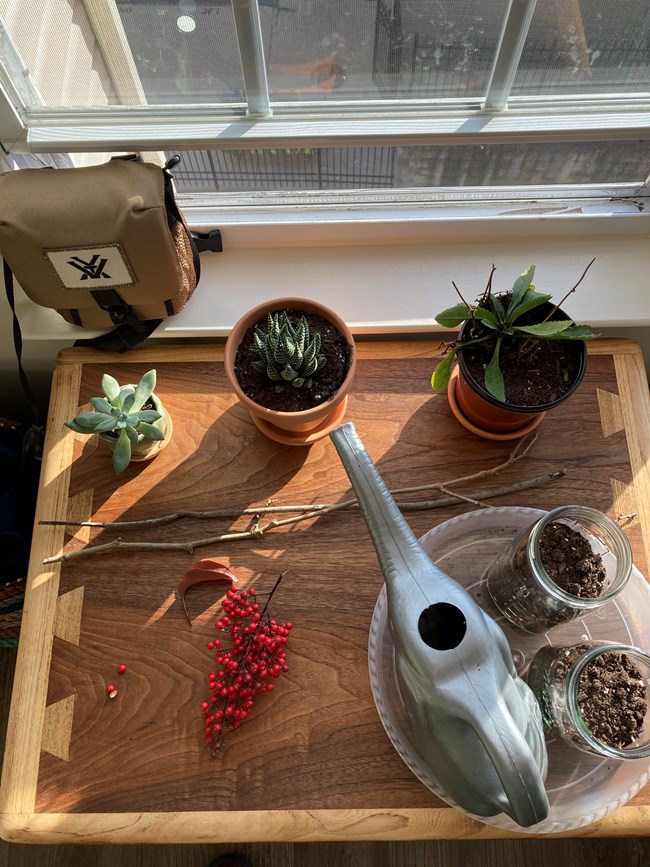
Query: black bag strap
{"points": [[122, 338], [32, 445], [129, 331], [201, 243]]}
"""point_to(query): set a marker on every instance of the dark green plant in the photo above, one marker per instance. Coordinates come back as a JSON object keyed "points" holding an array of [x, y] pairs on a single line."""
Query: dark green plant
{"points": [[121, 411], [286, 352], [500, 314]]}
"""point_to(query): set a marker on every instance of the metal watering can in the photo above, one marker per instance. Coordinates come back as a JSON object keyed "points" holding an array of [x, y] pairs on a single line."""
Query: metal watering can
{"points": [[475, 723]]}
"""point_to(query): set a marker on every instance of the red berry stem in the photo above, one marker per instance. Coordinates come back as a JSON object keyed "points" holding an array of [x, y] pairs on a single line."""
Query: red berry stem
{"points": [[244, 670]]}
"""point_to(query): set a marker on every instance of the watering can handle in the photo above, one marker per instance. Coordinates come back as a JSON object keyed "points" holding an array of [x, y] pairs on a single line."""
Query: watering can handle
{"points": [[515, 765]]}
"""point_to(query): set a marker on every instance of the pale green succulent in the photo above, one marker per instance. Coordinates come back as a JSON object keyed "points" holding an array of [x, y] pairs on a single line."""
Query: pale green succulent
{"points": [[121, 411], [286, 352]]}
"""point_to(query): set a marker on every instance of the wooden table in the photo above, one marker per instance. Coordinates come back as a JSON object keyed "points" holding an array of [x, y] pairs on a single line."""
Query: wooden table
{"points": [[313, 761]]}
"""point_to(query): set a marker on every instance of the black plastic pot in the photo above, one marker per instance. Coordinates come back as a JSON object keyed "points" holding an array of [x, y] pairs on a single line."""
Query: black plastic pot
{"points": [[576, 348], [515, 416]]}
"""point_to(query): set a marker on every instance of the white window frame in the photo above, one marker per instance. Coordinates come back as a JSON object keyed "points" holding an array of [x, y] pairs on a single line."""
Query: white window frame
{"points": [[400, 247], [29, 127]]}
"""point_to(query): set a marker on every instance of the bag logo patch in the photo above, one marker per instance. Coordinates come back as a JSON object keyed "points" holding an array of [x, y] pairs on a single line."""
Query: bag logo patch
{"points": [[93, 269], [100, 267]]}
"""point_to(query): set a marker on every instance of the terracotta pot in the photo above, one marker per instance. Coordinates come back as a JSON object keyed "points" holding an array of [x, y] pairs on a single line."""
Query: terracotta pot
{"points": [[494, 419], [291, 428], [483, 419], [146, 448]]}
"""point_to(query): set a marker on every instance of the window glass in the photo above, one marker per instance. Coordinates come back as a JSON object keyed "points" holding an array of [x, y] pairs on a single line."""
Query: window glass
{"points": [[381, 48], [401, 57], [586, 46], [318, 169], [161, 52], [185, 52]]}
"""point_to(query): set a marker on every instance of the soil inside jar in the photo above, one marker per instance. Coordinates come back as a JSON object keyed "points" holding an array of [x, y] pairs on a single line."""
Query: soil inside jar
{"points": [[571, 564], [570, 561], [612, 699], [325, 383]]}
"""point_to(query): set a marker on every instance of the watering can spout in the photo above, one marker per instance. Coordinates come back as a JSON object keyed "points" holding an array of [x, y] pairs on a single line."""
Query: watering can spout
{"points": [[397, 547], [475, 723]]}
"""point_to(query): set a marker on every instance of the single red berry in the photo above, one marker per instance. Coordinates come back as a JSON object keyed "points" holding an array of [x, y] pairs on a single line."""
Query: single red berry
{"points": [[121, 669]]}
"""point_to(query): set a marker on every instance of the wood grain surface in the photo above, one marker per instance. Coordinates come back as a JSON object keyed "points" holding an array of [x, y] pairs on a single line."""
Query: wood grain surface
{"points": [[313, 761]]}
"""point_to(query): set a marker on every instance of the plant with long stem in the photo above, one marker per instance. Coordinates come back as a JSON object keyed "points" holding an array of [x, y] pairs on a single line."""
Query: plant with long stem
{"points": [[499, 318]]}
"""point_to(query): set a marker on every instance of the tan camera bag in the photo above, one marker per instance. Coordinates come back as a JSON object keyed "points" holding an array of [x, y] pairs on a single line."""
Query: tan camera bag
{"points": [[105, 246]]}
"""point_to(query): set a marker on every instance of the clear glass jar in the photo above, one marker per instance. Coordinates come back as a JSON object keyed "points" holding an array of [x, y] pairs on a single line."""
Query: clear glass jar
{"points": [[589, 707], [524, 592]]}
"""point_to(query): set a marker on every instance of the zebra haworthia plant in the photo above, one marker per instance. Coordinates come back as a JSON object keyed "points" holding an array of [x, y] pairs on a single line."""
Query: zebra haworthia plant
{"points": [[121, 412], [286, 353]]}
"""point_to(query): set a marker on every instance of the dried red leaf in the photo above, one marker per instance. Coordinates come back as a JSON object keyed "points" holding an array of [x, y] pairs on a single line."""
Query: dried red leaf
{"points": [[199, 572]]}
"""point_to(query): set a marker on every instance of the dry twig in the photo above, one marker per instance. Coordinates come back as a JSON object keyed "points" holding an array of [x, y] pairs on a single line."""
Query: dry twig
{"points": [[520, 451], [304, 512]]}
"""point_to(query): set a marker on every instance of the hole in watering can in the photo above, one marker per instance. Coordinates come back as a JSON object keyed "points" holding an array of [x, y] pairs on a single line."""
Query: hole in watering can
{"points": [[442, 626]]}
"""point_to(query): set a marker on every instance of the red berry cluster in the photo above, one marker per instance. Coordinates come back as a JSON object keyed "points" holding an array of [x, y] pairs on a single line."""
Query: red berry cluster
{"points": [[256, 657]]}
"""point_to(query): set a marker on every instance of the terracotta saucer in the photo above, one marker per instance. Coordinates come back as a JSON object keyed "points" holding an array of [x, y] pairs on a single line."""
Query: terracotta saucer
{"points": [[482, 432], [303, 438]]}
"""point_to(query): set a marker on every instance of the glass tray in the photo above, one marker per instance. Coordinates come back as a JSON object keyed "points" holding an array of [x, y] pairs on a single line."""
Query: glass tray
{"points": [[581, 788]]}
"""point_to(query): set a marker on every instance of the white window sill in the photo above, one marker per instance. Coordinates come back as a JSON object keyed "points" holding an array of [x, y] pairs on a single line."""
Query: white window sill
{"points": [[392, 275]]}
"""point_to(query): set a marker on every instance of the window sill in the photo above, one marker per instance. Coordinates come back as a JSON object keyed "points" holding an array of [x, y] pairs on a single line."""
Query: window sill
{"points": [[392, 275]]}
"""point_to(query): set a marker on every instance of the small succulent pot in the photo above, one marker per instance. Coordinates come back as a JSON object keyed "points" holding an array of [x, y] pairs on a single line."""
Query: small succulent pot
{"points": [[485, 413], [563, 566], [146, 448], [304, 426], [130, 420], [594, 697]]}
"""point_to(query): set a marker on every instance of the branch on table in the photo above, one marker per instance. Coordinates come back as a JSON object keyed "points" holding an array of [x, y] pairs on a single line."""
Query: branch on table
{"points": [[302, 512]]}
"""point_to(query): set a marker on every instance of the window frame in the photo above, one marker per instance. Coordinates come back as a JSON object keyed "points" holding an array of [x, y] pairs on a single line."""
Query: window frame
{"points": [[30, 127], [34, 130], [27, 127]]}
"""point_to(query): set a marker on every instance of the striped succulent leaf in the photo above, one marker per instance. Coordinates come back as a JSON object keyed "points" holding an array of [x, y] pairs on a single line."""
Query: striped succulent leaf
{"points": [[286, 352]]}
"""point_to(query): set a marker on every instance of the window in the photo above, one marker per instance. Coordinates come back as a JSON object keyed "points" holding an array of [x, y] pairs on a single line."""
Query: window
{"points": [[358, 101], [367, 152]]}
